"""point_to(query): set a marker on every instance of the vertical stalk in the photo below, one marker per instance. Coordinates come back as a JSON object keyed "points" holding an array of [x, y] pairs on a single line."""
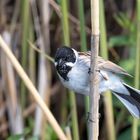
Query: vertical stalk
{"points": [[83, 40], [75, 130], [43, 69], [82, 25], [107, 96], [24, 43], [32, 57], [64, 20], [94, 95], [45, 28], [13, 108], [137, 70], [66, 36]]}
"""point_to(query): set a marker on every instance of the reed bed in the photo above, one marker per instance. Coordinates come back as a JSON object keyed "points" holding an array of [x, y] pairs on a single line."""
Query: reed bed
{"points": [[34, 104]]}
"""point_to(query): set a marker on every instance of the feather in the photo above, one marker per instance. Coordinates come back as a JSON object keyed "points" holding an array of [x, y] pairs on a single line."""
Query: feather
{"points": [[104, 64], [131, 100], [130, 104]]}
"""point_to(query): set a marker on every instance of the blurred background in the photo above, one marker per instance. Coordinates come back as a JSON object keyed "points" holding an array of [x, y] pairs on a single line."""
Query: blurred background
{"points": [[50, 24]]}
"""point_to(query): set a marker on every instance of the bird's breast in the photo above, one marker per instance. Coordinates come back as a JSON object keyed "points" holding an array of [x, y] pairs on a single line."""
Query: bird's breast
{"points": [[78, 80]]}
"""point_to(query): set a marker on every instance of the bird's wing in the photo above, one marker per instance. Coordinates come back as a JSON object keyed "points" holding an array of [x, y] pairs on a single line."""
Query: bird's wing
{"points": [[110, 66], [105, 64]]}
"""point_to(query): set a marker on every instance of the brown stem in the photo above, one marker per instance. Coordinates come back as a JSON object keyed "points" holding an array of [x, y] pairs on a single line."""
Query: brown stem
{"points": [[94, 95]]}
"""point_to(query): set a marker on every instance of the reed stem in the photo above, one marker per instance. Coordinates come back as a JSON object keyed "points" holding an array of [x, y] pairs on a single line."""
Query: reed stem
{"points": [[109, 118], [83, 43], [94, 95], [137, 70], [66, 37], [25, 36]]}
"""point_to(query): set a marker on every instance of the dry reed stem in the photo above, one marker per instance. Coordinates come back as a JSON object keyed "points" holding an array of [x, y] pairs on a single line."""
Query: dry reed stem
{"points": [[32, 90], [94, 95], [42, 33]]}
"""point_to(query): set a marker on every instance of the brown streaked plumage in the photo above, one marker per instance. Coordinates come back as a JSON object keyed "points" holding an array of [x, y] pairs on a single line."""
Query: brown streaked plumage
{"points": [[105, 64]]}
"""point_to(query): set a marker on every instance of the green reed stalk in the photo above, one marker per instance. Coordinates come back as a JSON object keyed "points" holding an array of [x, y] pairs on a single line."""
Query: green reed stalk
{"points": [[66, 36], [65, 22], [83, 40], [24, 44], [107, 96], [32, 57], [137, 70], [82, 25]]}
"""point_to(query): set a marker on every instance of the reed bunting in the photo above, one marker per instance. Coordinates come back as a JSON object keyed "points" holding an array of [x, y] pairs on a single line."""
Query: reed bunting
{"points": [[73, 69]]}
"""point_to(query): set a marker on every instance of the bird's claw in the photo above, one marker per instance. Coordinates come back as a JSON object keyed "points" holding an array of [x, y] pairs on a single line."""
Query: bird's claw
{"points": [[89, 119]]}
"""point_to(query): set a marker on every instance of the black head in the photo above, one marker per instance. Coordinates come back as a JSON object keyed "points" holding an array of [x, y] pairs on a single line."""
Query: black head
{"points": [[65, 58]]}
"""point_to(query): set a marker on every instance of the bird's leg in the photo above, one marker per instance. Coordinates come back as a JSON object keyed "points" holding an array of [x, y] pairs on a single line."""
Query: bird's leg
{"points": [[89, 119], [89, 71]]}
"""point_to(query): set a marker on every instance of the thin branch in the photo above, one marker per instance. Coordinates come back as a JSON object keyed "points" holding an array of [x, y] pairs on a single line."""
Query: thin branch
{"points": [[40, 51], [32, 90]]}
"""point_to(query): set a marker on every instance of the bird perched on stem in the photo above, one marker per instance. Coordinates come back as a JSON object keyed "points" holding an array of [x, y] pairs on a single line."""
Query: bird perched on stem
{"points": [[73, 69]]}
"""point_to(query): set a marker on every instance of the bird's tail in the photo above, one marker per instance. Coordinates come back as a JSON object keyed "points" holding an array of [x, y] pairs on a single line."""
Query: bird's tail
{"points": [[131, 100]]}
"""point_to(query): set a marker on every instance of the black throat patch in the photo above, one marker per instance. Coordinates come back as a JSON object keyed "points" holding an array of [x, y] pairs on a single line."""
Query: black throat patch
{"points": [[63, 56], [63, 72]]}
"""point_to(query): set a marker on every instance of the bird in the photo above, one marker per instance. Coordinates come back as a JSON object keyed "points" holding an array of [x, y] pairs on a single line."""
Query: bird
{"points": [[73, 69]]}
